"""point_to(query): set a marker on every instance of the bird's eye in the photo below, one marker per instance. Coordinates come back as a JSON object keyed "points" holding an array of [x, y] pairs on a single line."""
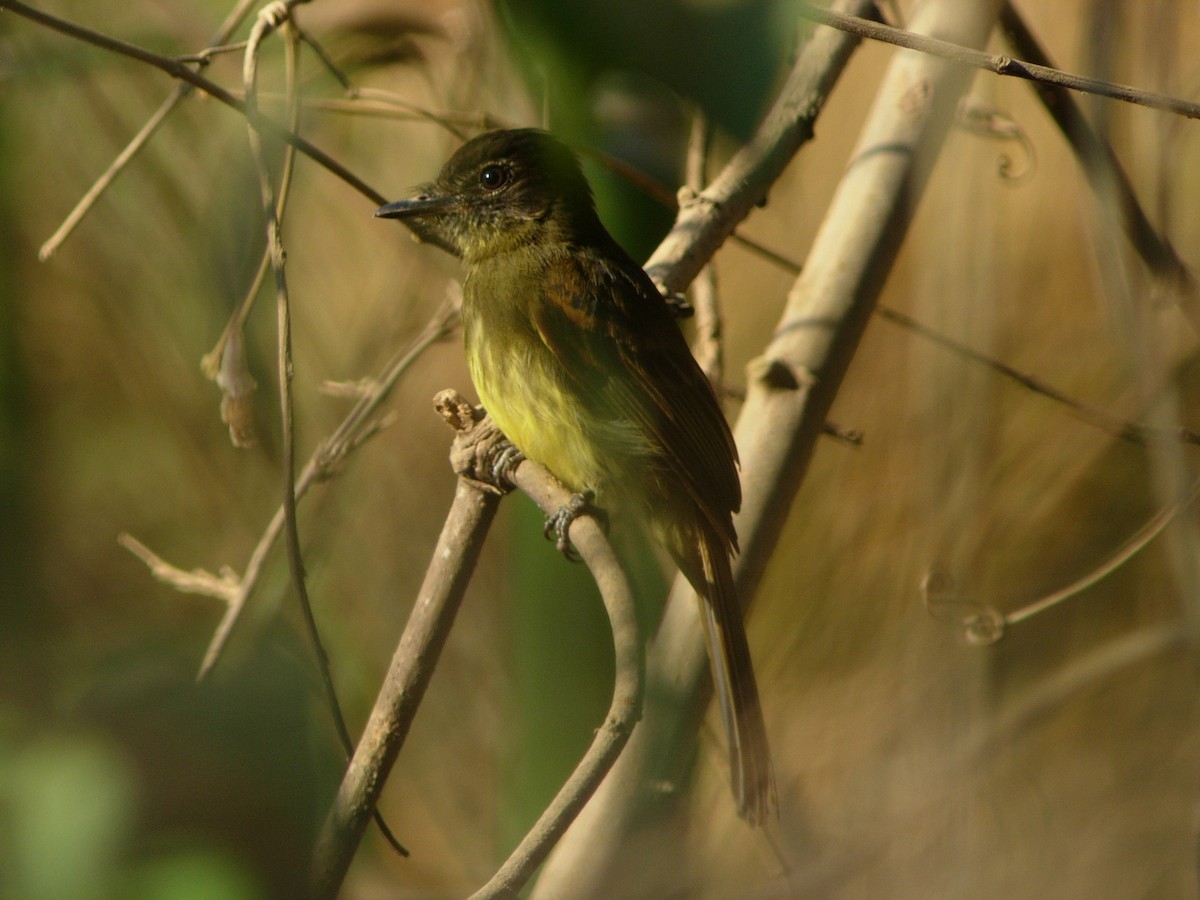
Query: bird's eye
{"points": [[494, 177]]}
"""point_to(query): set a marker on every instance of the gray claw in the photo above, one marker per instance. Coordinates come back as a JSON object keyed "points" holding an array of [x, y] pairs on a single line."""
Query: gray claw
{"points": [[558, 525]]}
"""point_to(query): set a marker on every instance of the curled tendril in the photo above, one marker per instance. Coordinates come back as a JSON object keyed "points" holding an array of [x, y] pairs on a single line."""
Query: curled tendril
{"points": [[988, 121], [981, 624], [986, 627]]}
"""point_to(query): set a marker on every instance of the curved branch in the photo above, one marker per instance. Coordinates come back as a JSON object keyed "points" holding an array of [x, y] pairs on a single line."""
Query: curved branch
{"points": [[408, 675], [412, 665], [623, 713]]}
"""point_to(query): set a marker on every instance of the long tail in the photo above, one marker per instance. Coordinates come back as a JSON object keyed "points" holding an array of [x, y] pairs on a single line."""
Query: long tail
{"points": [[706, 565]]}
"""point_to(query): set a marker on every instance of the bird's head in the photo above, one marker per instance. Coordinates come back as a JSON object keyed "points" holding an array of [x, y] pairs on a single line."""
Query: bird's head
{"points": [[501, 190]]}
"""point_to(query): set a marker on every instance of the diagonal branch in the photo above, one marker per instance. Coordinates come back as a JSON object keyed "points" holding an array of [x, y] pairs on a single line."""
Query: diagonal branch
{"points": [[404, 686], [708, 218], [183, 72], [182, 90], [325, 459], [358, 425]]}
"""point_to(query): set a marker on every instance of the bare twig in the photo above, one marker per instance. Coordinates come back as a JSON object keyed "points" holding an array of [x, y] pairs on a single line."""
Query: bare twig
{"points": [[360, 102], [205, 56], [623, 713], [388, 98], [416, 656], [182, 90], [225, 586], [270, 18], [706, 220], [325, 459], [183, 72], [226, 362], [404, 685], [1000, 65], [1132, 431], [274, 16]]}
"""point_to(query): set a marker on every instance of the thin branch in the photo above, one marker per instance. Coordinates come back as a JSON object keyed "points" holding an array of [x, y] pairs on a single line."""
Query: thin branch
{"points": [[624, 711], [226, 362], [278, 15], [225, 586], [416, 656], [997, 64], [1104, 171], [1129, 430], [706, 220], [1134, 432], [324, 461], [404, 686], [357, 103], [183, 72], [986, 623], [205, 56], [354, 92], [269, 19], [231, 23], [326, 59]]}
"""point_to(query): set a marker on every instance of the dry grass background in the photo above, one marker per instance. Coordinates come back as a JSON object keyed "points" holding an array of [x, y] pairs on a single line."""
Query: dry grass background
{"points": [[1060, 762]]}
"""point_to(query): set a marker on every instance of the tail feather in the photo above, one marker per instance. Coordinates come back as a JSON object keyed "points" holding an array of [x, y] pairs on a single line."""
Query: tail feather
{"points": [[707, 567]]}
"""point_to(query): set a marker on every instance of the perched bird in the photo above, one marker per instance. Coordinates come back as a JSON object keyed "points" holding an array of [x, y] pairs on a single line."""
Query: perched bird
{"points": [[577, 357]]}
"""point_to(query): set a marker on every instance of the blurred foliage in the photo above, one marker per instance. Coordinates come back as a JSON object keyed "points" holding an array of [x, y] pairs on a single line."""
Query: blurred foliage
{"points": [[620, 89], [1059, 762]]}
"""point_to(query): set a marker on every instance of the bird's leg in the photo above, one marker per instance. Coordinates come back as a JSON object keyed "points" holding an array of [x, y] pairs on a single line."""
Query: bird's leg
{"points": [[558, 525]]}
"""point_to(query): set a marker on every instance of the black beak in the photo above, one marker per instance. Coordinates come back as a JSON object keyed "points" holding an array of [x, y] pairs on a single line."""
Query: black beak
{"points": [[414, 208]]}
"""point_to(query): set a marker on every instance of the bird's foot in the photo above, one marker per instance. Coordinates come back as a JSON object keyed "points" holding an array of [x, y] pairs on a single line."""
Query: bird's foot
{"points": [[559, 524], [505, 463], [679, 306]]}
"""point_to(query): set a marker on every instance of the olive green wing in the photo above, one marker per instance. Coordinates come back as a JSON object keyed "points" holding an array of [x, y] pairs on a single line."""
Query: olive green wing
{"points": [[616, 339]]}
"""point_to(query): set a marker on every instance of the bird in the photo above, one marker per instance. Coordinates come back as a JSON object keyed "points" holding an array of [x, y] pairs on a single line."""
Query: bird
{"points": [[577, 357]]}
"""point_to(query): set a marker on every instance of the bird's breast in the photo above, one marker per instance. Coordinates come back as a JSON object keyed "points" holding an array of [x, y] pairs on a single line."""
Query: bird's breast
{"points": [[530, 394]]}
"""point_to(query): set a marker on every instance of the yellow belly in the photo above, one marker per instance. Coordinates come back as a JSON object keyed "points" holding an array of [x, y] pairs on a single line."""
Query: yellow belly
{"points": [[525, 393], [557, 416]]}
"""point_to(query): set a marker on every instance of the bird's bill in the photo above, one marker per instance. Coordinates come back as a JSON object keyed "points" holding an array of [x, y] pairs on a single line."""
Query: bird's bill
{"points": [[414, 207]]}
